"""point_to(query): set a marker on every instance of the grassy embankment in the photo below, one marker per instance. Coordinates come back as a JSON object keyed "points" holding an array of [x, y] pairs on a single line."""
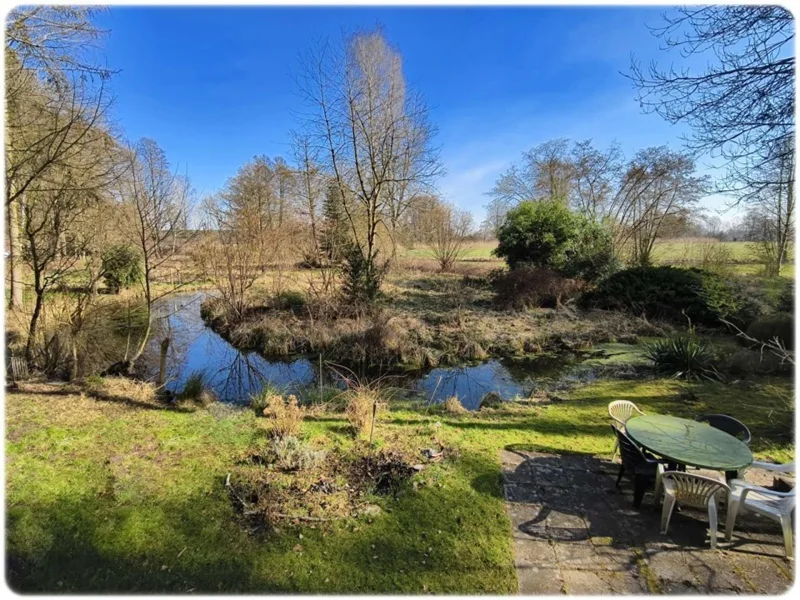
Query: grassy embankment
{"points": [[123, 494]]}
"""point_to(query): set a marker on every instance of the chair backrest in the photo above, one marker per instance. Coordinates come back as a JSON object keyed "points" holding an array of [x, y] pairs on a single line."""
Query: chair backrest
{"points": [[632, 456], [729, 425], [694, 490], [622, 410]]}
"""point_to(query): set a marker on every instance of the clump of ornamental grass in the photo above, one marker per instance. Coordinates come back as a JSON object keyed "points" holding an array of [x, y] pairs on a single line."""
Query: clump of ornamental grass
{"points": [[453, 406], [196, 390], [683, 357], [364, 406], [258, 402]]}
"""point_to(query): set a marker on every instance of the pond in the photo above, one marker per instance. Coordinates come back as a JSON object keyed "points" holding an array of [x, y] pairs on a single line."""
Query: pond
{"points": [[236, 375]]}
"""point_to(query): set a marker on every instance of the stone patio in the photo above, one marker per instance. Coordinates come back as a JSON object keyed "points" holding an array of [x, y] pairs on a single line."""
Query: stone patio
{"points": [[575, 533]]}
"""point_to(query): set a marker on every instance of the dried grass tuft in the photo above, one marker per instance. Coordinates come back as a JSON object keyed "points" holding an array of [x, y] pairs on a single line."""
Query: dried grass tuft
{"points": [[453, 406], [285, 416]]}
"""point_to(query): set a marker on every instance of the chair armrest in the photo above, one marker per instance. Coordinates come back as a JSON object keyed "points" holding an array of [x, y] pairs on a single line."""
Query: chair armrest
{"points": [[785, 468], [739, 485], [651, 458]]}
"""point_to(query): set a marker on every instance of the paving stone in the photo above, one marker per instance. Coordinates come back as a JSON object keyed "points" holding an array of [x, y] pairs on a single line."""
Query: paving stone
{"points": [[534, 553], [583, 555], [536, 580], [679, 588], [762, 575], [587, 583], [713, 571]]}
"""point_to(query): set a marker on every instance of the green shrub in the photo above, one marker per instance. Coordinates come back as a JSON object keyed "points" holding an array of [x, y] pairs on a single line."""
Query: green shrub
{"points": [[778, 325], [683, 357], [122, 267], [549, 235], [288, 300], [361, 276], [786, 299], [673, 293]]}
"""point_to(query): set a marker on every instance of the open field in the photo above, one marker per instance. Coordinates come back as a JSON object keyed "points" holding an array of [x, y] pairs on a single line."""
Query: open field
{"points": [[126, 495], [680, 251]]}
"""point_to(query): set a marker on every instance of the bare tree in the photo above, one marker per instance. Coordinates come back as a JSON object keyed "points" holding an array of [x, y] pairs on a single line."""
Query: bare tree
{"points": [[658, 185], [446, 233], [595, 173], [310, 184], [232, 257], [743, 102], [741, 107], [374, 136], [55, 238], [638, 200], [55, 96], [772, 215], [583, 177], [155, 201]]}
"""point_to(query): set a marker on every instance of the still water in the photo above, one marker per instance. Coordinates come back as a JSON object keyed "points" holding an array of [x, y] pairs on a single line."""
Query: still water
{"points": [[235, 375]]}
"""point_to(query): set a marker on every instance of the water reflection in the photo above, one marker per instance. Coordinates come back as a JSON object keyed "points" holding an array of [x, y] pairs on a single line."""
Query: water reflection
{"points": [[508, 379], [235, 375]]}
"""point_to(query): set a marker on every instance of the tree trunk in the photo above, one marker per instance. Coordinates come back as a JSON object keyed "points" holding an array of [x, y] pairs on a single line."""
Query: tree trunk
{"points": [[73, 375], [32, 327], [14, 257], [162, 366]]}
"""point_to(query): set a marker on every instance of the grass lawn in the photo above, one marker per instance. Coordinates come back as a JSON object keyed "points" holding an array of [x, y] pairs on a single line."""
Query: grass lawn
{"points": [[116, 496]]}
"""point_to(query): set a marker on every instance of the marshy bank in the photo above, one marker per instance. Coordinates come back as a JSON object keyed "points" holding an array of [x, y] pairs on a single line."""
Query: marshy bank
{"points": [[235, 375], [420, 323]]}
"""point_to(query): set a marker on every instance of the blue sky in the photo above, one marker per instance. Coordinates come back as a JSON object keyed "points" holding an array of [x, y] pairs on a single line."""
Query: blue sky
{"points": [[215, 87]]}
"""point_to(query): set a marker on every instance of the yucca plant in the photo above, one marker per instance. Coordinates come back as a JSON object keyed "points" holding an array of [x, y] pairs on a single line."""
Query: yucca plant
{"points": [[684, 357]]}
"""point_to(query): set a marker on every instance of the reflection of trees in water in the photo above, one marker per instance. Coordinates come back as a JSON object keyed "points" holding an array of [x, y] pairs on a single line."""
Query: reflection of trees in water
{"points": [[237, 379], [232, 374], [470, 384], [111, 331]]}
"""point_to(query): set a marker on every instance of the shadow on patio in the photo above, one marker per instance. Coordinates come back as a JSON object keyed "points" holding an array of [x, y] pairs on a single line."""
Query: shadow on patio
{"points": [[575, 533]]}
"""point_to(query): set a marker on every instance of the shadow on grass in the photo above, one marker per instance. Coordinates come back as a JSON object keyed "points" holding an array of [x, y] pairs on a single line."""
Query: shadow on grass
{"points": [[445, 540], [96, 545], [114, 398]]}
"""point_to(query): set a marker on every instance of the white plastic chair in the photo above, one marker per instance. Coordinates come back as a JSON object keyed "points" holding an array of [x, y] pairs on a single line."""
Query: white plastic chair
{"points": [[784, 468], [774, 467], [766, 502], [692, 490], [620, 411]]}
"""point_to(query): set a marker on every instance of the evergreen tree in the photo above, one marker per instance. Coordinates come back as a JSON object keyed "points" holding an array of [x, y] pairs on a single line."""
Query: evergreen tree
{"points": [[335, 231]]}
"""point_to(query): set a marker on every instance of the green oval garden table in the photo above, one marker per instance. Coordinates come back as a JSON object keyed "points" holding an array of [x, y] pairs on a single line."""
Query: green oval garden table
{"points": [[690, 443]]}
